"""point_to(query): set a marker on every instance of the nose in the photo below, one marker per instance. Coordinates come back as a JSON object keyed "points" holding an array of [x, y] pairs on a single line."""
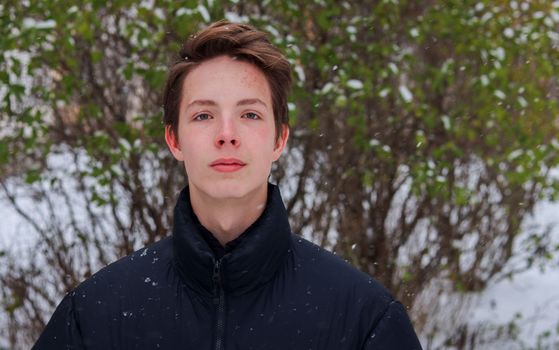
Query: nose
{"points": [[227, 134]]}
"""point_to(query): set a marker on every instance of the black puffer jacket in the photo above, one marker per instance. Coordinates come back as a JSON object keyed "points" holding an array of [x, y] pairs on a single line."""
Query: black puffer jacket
{"points": [[272, 290]]}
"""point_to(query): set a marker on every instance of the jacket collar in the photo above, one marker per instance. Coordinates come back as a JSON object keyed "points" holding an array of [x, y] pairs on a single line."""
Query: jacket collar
{"points": [[252, 262]]}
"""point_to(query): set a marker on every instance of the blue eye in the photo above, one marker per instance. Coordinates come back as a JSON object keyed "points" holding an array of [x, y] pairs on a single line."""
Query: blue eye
{"points": [[251, 115], [202, 116]]}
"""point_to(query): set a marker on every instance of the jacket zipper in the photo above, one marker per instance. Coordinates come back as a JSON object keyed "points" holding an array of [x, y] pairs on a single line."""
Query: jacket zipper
{"points": [[219, 302]]}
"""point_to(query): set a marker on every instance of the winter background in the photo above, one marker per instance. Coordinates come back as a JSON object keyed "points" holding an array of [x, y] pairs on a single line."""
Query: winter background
{"points": [[529, 301]]}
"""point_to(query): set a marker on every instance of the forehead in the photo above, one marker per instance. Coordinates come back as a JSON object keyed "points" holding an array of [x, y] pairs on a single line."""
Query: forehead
{"points": [[225, 79]]}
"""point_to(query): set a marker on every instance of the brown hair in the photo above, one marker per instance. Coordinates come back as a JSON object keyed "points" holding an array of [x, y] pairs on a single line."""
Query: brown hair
{"points": [[241, 41]]}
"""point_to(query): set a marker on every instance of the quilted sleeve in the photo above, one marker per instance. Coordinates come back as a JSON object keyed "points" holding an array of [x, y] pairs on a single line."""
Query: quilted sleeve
{"points": [[393, 331], [62, 331]]}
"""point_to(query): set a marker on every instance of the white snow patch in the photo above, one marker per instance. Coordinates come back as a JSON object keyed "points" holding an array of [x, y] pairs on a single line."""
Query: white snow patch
{"points": [[508, 32], [522, 101], [446, 122], [327, 88], [204, 13], [300, 73], [235, 17], [498, 53], [32, 23], [355, 84], [515, 154], [384, 92], [500, 95], [184, 11], [538, 14], [405, 93]]}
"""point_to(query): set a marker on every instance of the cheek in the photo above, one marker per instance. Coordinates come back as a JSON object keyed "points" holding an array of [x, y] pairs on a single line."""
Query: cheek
{"points": [[190, 149], [265, 134], [267, 154], [191, 138]]}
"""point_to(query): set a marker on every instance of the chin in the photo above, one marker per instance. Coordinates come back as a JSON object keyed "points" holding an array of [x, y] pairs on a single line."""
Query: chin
{"points": [[229, 189]]}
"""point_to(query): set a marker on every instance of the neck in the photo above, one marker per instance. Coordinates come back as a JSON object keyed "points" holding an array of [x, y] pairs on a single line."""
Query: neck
{"points": [[228, 218]]}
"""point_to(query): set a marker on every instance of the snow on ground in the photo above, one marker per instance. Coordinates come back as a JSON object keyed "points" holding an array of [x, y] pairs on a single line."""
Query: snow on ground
{"points": [[532, 295]]}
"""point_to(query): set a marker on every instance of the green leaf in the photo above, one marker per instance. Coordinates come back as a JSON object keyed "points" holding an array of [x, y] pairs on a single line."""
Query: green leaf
{"points": [[32, 176]]}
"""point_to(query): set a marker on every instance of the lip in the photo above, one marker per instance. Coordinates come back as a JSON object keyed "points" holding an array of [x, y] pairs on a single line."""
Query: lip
{"points": [[227, 165]]}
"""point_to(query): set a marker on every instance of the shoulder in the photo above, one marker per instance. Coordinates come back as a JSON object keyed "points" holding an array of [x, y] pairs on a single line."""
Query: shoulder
{"points": [[144, 266], [349, 296], [331, 273], [138, 286]]}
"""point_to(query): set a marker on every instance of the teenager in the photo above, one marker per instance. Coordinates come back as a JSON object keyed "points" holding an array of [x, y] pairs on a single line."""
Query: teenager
{"points": [[232, 275]]}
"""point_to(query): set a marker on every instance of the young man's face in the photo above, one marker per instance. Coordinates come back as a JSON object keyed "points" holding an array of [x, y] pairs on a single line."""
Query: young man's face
{"points": [[226, 131]]}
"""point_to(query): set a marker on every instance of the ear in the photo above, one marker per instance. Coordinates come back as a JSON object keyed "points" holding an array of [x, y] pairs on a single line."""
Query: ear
{"points": [[173, 143], [281, 141]]}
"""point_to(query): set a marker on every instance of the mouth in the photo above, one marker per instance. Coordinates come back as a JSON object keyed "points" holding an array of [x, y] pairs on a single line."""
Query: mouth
{"points": [[227, 165]]}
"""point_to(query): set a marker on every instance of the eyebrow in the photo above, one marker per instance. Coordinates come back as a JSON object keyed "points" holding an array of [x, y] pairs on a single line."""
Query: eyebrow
{"points": [[202, 103], [243, 102], [252, 101]]}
